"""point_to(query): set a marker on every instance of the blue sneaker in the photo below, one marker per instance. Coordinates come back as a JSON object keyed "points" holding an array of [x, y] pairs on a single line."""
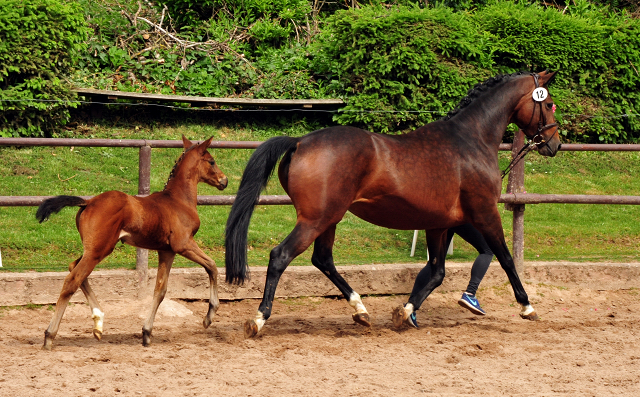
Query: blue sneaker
{"points": [[471, 303]]}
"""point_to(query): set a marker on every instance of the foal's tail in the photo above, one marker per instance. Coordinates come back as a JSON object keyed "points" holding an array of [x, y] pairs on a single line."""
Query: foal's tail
{"points": [[53, 205], [254, 179]]}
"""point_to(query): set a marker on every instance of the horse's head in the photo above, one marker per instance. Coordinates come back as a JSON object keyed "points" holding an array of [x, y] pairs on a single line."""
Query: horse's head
{"points": [[534, 114], [205, 164]]}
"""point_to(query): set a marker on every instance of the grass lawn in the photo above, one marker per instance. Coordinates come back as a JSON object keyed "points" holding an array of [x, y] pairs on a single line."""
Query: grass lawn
{"points": [[552, 231]]}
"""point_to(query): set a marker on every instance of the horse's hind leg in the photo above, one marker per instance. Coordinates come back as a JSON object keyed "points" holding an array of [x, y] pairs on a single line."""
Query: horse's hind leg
{"points": [[429, 278], [165, 261], [293, 245], [80, 270], [97, 315], [194, 253], [322, 258]]}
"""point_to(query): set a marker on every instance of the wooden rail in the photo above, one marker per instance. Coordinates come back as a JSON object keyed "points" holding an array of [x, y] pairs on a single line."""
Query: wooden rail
{"points": [[106, 96], [515, 198]]}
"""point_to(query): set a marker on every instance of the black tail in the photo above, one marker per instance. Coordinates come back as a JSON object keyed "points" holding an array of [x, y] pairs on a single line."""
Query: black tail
{"points": [[254, 179], [53, 205]]}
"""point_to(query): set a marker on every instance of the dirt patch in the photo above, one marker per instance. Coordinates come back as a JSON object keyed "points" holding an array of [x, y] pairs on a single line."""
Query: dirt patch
{"points": [[586, 343]]}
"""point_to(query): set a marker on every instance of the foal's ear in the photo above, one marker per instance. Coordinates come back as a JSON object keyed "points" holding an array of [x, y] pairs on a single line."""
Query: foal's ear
{"points": [[186, 143], [204, 145], [546, 77]]}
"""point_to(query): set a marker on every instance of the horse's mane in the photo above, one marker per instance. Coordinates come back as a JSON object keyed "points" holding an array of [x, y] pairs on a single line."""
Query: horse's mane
{"points": [[479, 89], [175, 166]]}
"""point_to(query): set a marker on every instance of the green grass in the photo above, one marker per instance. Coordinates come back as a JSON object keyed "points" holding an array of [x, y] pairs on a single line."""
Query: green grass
{"points": [[552, 231]]}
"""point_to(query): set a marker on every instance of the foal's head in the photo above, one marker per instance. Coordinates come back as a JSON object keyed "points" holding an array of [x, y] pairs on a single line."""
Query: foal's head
{"points": [[534, 114], [200, 161]]}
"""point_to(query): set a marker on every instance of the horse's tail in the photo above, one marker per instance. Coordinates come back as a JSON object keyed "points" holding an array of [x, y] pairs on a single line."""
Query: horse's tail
{"points": [[259, 168], [53, 205]]}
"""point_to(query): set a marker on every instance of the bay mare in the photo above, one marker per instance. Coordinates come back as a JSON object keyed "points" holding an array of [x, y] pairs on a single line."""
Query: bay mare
{"points": [[441, 175], [164, 221]]}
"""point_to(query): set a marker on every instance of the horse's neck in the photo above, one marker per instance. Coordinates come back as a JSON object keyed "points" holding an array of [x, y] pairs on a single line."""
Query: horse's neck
{"points": [[487, 120], [181, 187]]}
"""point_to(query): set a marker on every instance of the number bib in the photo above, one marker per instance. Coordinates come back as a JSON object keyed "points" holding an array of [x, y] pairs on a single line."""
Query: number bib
{"points": [[540, 94]]}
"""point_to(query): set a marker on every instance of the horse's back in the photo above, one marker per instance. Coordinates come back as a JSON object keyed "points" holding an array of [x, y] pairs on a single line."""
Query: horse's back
{"points": [[397, 181]]}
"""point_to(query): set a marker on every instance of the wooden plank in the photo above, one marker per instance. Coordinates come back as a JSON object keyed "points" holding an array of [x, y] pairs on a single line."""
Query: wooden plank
{"points": [[207, 101]]}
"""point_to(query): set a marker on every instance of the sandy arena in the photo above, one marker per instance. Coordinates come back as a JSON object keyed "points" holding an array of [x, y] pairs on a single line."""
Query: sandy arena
{"points": [[586, 343]]}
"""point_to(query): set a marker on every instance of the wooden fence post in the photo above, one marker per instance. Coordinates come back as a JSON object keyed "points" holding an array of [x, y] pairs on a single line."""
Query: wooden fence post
{"points": [[515, 184], [144, 187]]}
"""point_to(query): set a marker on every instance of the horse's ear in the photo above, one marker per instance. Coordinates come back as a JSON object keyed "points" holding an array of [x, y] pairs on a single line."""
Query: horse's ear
{"points": [[204, 145], [186, 143], [546, 77]]}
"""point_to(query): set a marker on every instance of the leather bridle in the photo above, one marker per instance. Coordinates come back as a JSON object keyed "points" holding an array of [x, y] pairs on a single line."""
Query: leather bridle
{"points": [[538, 139]]}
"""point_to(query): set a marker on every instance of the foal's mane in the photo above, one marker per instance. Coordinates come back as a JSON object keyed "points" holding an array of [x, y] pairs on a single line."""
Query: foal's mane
{"points": [[479, 89], [175, 166]]}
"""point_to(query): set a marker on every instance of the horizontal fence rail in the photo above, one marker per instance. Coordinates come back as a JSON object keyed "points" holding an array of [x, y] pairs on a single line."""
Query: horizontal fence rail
{"points": [[515, 199]]}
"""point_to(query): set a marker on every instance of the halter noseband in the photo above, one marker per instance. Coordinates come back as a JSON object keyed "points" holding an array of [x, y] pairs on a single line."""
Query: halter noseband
{"points": [[538, 139]]}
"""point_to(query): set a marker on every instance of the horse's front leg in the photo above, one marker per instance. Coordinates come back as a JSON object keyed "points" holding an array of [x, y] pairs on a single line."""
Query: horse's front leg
{"points": [[165, 261], [194, 253], [293, 245], [429, 278], [492, 232]]}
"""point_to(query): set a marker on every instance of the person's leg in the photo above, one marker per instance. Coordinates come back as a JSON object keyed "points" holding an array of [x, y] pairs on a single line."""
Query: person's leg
{"points": [[479, 268]]}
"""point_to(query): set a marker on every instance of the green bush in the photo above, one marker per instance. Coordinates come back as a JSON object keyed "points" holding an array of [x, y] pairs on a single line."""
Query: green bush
{"points": [[39, 44], [397, 64]]}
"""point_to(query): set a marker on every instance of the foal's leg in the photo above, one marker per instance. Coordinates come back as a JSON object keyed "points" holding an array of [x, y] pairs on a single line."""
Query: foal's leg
{"points": [[195, 254], [165, 260], [293, 245], [429, 278], [494, 235], [97, 315], [323, 259], [80, 270]]}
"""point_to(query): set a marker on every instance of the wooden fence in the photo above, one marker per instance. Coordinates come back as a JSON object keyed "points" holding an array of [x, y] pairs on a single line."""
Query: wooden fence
{"points": [[515, 199]]}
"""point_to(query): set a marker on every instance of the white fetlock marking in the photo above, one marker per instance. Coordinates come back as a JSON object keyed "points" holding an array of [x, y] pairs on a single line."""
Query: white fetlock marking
{"points": [[260, 320], [526, 310], [98, 319], [408, 309], [356, 303]]}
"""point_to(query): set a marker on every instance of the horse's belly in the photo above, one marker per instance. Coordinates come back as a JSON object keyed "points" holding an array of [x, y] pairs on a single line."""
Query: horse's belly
{"points": [[395, 213]]}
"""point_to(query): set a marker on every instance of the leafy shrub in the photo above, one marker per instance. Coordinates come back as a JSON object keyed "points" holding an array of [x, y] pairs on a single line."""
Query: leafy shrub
{"points": [[39, 45]]}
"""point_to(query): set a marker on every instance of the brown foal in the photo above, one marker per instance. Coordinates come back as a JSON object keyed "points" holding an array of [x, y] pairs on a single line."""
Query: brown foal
{"points": [[164, 221]]}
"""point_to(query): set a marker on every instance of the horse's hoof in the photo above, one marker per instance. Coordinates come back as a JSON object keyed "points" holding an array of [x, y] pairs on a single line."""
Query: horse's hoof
{"points": [[48, 344], [362, 319], [206, 322], [97, 334], [531, 316], [398, 316], [250, 329], [146, 338]]}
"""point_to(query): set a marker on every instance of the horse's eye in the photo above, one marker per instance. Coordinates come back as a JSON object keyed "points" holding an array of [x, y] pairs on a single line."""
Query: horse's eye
{"points": [[549, 105], [212, 162]]}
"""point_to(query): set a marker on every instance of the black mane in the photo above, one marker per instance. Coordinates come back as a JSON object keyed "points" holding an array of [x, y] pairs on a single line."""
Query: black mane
{"points": [[479, 89]]}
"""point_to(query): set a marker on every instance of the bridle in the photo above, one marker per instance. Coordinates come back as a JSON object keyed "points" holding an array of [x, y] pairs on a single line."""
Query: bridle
{"points": [[538, 139]]}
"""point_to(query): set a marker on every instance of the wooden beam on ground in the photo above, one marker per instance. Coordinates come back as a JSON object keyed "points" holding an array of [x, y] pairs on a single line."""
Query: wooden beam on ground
{"points": [[108, 95]]}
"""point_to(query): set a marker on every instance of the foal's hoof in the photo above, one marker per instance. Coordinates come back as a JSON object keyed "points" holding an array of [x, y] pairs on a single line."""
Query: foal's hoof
{"points": [[146, 338], [250, 329], [362, 319], [531, 316], [97, 334], [398, 316]]}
